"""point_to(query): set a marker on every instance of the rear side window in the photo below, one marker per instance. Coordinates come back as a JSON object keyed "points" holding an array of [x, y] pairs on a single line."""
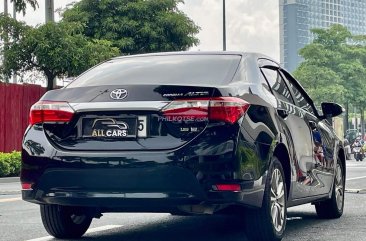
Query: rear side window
{"points": [[163, 69], [301, 99], [277, 85]]}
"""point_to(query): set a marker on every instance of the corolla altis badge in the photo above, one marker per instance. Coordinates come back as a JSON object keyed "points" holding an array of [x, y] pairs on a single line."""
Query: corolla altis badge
{"points": [[118, 94], [196, 93]]}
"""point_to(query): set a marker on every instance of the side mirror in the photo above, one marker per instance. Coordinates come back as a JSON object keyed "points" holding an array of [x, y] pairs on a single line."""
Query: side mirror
{"points": [[331, 109]]}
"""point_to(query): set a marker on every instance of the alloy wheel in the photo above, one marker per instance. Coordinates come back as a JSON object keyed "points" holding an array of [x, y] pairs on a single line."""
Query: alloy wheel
{"points": [[277, 200], [339, 187]]}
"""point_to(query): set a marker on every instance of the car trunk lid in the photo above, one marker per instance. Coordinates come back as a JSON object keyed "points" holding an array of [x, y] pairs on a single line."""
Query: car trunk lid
{"points": [[148, 118]]}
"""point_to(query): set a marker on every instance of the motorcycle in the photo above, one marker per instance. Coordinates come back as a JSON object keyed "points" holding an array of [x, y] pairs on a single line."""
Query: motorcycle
{"points": [[358, 153]]}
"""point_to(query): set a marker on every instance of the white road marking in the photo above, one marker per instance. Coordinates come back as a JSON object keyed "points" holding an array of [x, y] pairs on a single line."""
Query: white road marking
{"points": [[10, 199], [91, 230], [355, 178], [354, 190]]}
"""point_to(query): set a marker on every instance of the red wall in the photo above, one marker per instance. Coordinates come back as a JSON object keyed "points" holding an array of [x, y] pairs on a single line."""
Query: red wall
{"points": [[15, 102]]}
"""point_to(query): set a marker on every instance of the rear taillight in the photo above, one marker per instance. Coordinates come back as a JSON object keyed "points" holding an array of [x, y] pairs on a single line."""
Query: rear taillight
{"points": [[228, 109], [50, 112], [26, 185], [185, 110]]}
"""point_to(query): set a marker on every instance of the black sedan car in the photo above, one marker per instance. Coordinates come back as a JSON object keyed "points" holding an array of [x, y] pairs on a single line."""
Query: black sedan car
{"points": [[185, 133]]}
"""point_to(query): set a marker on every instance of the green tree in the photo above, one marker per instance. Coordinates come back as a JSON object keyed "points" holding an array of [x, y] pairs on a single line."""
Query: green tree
{"points": [[55, 49], [322, 69], [322, 83], [334, 67], [21, 5], [135, 26], [358, 53]]}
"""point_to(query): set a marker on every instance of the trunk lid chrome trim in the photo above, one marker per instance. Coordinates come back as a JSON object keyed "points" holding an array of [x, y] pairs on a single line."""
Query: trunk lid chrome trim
{"points": [[130, 105]]}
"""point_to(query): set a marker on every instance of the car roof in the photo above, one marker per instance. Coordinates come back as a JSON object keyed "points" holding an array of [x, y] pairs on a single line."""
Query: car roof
{"points": [[249, 54]]}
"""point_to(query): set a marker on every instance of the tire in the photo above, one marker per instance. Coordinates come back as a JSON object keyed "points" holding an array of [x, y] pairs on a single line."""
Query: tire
{"points": [[269, 222], [333, 207], [359, 157], [65, 222]]}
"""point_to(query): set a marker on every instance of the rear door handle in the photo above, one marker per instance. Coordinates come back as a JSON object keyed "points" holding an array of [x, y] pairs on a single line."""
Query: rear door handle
{"points": [[282, 112]]}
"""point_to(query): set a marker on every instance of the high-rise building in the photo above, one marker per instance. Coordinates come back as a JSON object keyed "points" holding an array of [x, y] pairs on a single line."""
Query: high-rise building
{"points": [[298, 17]]}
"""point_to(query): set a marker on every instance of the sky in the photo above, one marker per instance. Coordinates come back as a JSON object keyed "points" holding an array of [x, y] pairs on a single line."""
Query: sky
{"points": [[251, 25]]}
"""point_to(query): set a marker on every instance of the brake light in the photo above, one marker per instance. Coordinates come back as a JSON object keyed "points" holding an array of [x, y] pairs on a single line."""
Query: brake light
{"points": [[50, 111], [228, 109]]}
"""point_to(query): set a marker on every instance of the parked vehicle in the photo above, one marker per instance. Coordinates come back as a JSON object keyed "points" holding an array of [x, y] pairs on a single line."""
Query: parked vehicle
{"points": [[351, 135], [187, 132]]}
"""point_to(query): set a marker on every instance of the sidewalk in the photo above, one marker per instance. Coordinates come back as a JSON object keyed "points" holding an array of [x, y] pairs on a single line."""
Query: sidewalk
{"points": [[9, 186]]}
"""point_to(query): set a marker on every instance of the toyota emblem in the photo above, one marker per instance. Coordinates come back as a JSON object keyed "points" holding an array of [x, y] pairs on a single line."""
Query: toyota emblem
{"points": [[118, 94]]}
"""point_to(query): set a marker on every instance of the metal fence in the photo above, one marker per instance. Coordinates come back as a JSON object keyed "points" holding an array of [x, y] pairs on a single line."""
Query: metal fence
{"points": [[15, 102]]}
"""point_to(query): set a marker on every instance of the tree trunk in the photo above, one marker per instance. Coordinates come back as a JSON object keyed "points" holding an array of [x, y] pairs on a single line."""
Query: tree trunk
{"points": [[362, 123], [6, 7], [6, 39], [356, 120], [50, 79], [345, 120], [49, 7]]}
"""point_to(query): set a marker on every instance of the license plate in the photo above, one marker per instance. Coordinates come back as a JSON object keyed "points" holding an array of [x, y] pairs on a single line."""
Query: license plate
{"points": [[115, 127], [109, 127], [142, 126]]}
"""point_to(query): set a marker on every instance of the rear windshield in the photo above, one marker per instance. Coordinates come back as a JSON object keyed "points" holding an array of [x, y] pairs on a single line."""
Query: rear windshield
{"points": [[163, 69]]}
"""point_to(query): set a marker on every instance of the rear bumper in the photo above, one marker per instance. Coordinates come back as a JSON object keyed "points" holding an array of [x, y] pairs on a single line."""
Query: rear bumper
{"points": [[154, 189], [146, 181], [116, 187]]}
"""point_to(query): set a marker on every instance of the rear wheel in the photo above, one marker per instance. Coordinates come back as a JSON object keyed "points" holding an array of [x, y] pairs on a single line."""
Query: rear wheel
{"points": [[333, 207], [357, 156], [269, 222], [65, 222]]}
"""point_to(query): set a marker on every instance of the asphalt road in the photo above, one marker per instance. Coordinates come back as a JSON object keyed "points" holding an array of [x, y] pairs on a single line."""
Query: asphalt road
{"points": [[20, 220]]}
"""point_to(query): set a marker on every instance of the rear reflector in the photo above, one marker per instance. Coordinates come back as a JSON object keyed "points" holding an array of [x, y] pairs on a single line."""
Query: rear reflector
{"points": [[226, 187], [26, 186], [227, 109], [50, 111]]}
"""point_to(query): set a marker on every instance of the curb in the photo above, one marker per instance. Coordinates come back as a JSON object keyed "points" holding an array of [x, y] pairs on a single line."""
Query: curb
{"points": [[9, 179], [15, 192]]}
